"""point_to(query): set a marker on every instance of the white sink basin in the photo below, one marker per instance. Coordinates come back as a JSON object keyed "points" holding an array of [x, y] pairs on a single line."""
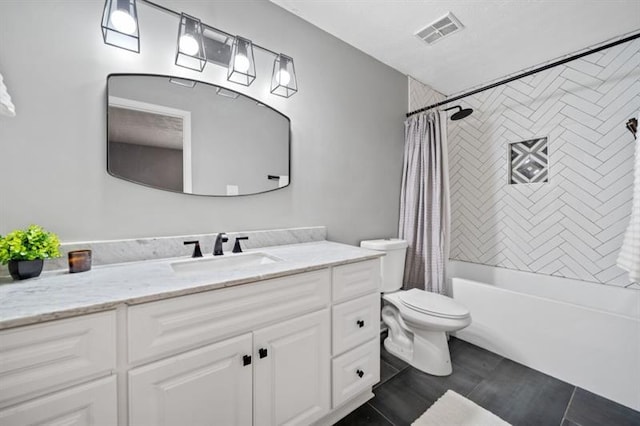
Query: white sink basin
{"points": [[223, 263]]}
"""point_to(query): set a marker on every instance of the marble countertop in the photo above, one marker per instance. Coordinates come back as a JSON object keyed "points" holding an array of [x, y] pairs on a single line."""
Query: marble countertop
{"points": [[58, 294]]}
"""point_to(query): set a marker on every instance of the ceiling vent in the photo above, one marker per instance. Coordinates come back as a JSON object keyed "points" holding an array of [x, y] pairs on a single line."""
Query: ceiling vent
{"points": [[439, 29]]}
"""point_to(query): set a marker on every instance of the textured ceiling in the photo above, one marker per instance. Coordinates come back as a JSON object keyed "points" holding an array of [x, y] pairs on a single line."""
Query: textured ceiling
{"points": [[500, 36]]}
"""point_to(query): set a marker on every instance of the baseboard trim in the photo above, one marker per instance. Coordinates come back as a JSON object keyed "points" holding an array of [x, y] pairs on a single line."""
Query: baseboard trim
{"points": [[343, 410]]}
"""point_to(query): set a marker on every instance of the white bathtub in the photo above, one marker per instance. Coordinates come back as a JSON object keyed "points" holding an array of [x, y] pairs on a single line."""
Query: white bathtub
{"points": [[584, 333]]}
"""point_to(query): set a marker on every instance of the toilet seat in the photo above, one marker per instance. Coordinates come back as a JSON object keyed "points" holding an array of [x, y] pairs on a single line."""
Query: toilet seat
{"points": [[432, 304]]}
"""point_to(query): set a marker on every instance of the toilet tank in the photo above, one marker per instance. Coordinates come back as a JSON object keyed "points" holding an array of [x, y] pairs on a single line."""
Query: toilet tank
{"points": [[392, 263]]}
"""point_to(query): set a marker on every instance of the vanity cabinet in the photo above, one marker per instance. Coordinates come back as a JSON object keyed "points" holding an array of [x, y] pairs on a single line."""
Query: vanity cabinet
{"points": [[298, 350], [356, 329], [60, 372], [276, 375], [274, 370]]}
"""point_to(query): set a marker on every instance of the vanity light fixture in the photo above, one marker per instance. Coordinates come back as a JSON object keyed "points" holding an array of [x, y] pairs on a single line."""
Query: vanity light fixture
{"points": [[242, 68], [120, 24], [283, 79], [197, 44], [190, 49]]}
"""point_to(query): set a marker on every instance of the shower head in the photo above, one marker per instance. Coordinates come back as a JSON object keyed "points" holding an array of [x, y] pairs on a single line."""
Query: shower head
{"points": [[461, 113]]}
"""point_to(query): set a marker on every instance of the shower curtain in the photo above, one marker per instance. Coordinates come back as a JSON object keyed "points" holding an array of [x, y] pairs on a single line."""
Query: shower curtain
{"points": [[629, 257], [424, 203]]}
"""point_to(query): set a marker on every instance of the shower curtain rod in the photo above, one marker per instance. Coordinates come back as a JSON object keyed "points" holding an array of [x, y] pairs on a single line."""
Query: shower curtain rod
{"points": [[527, 73]]}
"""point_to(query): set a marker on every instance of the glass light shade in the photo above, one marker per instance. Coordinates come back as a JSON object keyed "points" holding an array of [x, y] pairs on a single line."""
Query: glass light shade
{"points": [[242, 69], [241, 63], [120, 24], [124, 22], [283, 79], [190, 47]]}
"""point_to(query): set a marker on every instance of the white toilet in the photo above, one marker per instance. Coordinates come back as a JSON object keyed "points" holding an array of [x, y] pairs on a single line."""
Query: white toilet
{"points": [[418, 320]]}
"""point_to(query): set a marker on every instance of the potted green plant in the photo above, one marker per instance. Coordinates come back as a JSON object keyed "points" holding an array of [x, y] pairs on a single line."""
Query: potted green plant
{"points": [[24, 250]]}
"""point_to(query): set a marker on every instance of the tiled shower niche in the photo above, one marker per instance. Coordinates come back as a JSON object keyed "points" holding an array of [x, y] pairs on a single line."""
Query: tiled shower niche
{"points": [[529, 161]]}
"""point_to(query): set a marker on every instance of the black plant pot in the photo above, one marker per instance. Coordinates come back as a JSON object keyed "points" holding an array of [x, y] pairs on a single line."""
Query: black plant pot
{"points": [[23, 269]]}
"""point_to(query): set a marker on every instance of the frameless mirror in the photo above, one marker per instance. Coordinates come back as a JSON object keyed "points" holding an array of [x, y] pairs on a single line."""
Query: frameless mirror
{"points": [[193, 137]]}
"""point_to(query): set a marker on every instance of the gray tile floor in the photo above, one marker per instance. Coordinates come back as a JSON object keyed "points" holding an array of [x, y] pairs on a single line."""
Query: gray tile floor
{"points": [[516, 393]]}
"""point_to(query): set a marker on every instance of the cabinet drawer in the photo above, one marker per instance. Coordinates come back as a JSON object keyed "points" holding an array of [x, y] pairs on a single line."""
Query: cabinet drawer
{"points": [[173, 325], [355, 371], [41, 358], [355, 322], [90, 404], [356, 279]]}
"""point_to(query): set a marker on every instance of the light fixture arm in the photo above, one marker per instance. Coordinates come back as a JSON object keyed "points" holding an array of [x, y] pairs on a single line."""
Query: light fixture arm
{"points": [[204, 25]]}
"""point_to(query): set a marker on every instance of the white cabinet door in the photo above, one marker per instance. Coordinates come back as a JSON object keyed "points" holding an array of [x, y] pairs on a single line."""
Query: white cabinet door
{"points": [[206, 386], [292, 378], [90, 404]]}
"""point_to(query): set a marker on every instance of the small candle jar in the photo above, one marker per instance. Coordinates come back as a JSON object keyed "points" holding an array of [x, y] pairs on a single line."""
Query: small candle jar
{"points": [[79, 261]]}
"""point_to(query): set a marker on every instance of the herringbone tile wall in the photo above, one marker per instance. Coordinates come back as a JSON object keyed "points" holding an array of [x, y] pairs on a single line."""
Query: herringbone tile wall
{"points": [[421, 95], [573, 225]]}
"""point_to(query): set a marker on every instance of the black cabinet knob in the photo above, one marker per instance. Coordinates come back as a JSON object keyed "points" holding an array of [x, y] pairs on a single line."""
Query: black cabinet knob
{"points": [[360, 323], [246, 360], [360, 373], [262, 352]]}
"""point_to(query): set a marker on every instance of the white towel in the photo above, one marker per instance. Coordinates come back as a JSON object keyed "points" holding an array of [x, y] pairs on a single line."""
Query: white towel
{"points": [[6, 106], [629, 257]]}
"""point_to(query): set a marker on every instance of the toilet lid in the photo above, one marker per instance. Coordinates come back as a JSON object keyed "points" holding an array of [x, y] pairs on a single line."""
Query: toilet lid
{"points": [[433, 304]]}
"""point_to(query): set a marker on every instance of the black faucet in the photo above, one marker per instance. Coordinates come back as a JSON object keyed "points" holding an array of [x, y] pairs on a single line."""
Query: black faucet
{"points": [[217, 247], [196, 250], [236, 247]]}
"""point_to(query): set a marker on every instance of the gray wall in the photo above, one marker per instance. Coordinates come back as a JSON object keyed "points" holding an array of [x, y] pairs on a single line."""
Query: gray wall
{"points": [[346, 123]]}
